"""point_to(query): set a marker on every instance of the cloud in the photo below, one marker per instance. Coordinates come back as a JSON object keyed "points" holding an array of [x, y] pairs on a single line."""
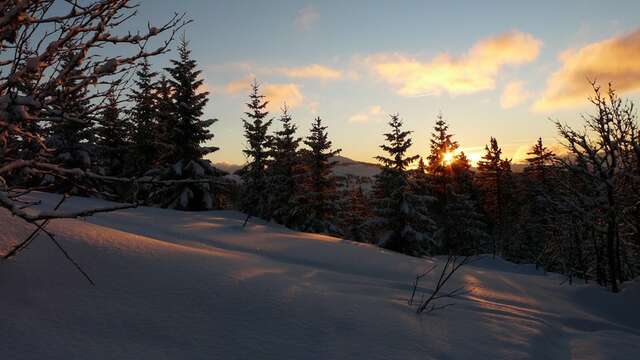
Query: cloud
{"points": [[514, 94], [239, 86], [615, 60], [472, 72], [278, 94], [306, 18], [315, 71], [364, 116]]}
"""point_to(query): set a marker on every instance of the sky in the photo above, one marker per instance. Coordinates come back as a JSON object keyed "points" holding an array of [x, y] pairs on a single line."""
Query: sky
{"points": [[492, 68]]}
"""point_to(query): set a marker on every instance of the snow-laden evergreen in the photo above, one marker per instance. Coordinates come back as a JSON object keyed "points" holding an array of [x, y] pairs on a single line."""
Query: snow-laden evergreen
{"points": [[254, 199], [402, 211], [317, 205]]}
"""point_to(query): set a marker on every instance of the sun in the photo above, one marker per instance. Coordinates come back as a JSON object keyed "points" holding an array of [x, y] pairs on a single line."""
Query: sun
{"points": [[447, 158]]}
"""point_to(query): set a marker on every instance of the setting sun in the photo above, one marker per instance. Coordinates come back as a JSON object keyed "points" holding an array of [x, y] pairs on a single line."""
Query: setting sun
{"points": [[447, 158]]}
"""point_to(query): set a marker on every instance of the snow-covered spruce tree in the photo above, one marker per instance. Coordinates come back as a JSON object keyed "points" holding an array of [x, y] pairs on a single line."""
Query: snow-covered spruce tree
{"points": [[463, 228], [462, 174], [72, 128], [165, 118], [254, 200], [112, 135], [402, 213], [441, 146], [355, 212], [189, 131], [144, 119], [317, 204], [466, 228], [538, 203], [185, 131], [284, 172], [494, 180]]}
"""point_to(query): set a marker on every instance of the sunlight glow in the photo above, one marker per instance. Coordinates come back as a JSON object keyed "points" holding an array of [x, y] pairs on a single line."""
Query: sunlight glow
{"points": [[448, 158]]}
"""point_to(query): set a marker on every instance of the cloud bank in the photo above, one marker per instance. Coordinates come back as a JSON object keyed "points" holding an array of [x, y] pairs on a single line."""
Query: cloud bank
{"points": [[615, 60], [474, 71]]}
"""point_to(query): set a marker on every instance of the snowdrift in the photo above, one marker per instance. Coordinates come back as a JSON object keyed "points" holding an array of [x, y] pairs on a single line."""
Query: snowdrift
{"points": [[177, 285]]}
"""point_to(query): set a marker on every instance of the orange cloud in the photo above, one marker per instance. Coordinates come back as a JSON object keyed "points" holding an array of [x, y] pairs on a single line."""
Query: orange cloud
{"points": [[278, 94], [615, 60], [311, 71], [474, 71], [239, 86], [514, 94]]}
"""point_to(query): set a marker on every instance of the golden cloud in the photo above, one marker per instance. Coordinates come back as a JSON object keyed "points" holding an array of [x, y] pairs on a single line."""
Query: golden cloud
{"points": [[315, 71], [474, 71], [514, 94], [241, 85], [615, 60], [278, 94]]}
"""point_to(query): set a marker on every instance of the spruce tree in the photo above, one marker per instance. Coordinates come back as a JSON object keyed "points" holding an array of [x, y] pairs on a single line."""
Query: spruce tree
{"points": [[539, 206], [165, 119], [180, 136], [144, 117], [402, 212], [284, 171], [442, 145], [113, 130], [256, 132], [355, 213], [73, 124], [494, 175], [112, 136], [319, 197], [466, 229], [462, 174], [189, 131]]}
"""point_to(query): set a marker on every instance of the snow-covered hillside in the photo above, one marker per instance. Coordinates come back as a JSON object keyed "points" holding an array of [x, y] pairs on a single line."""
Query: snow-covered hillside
{"points": [[178, 285]]}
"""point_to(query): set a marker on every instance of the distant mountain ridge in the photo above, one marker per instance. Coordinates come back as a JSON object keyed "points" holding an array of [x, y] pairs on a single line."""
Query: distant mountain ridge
{"points": [[345, 166]]}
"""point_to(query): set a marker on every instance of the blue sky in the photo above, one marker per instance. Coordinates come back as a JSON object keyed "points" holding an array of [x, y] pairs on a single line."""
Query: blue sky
{"points": [[492, 68]]}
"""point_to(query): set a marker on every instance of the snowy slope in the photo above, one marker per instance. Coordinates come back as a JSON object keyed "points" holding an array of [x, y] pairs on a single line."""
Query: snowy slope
{"points": [[177, 285]]}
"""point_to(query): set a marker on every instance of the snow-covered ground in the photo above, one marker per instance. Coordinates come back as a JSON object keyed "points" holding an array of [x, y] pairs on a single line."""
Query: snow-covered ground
{"points": [[178, 285]]}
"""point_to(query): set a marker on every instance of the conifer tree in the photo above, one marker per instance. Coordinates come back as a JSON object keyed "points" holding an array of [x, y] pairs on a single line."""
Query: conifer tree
{"points": [[355, 213], [112, 136], [462, 174], [493, 179], [538, 208], [466, 229], [442, 145], [256, 132], [165, 118], [189, 131], [181, 133], [72, 107], [284, 171], [144, 117], [402, 213], [319, 197], [113, 131]]}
